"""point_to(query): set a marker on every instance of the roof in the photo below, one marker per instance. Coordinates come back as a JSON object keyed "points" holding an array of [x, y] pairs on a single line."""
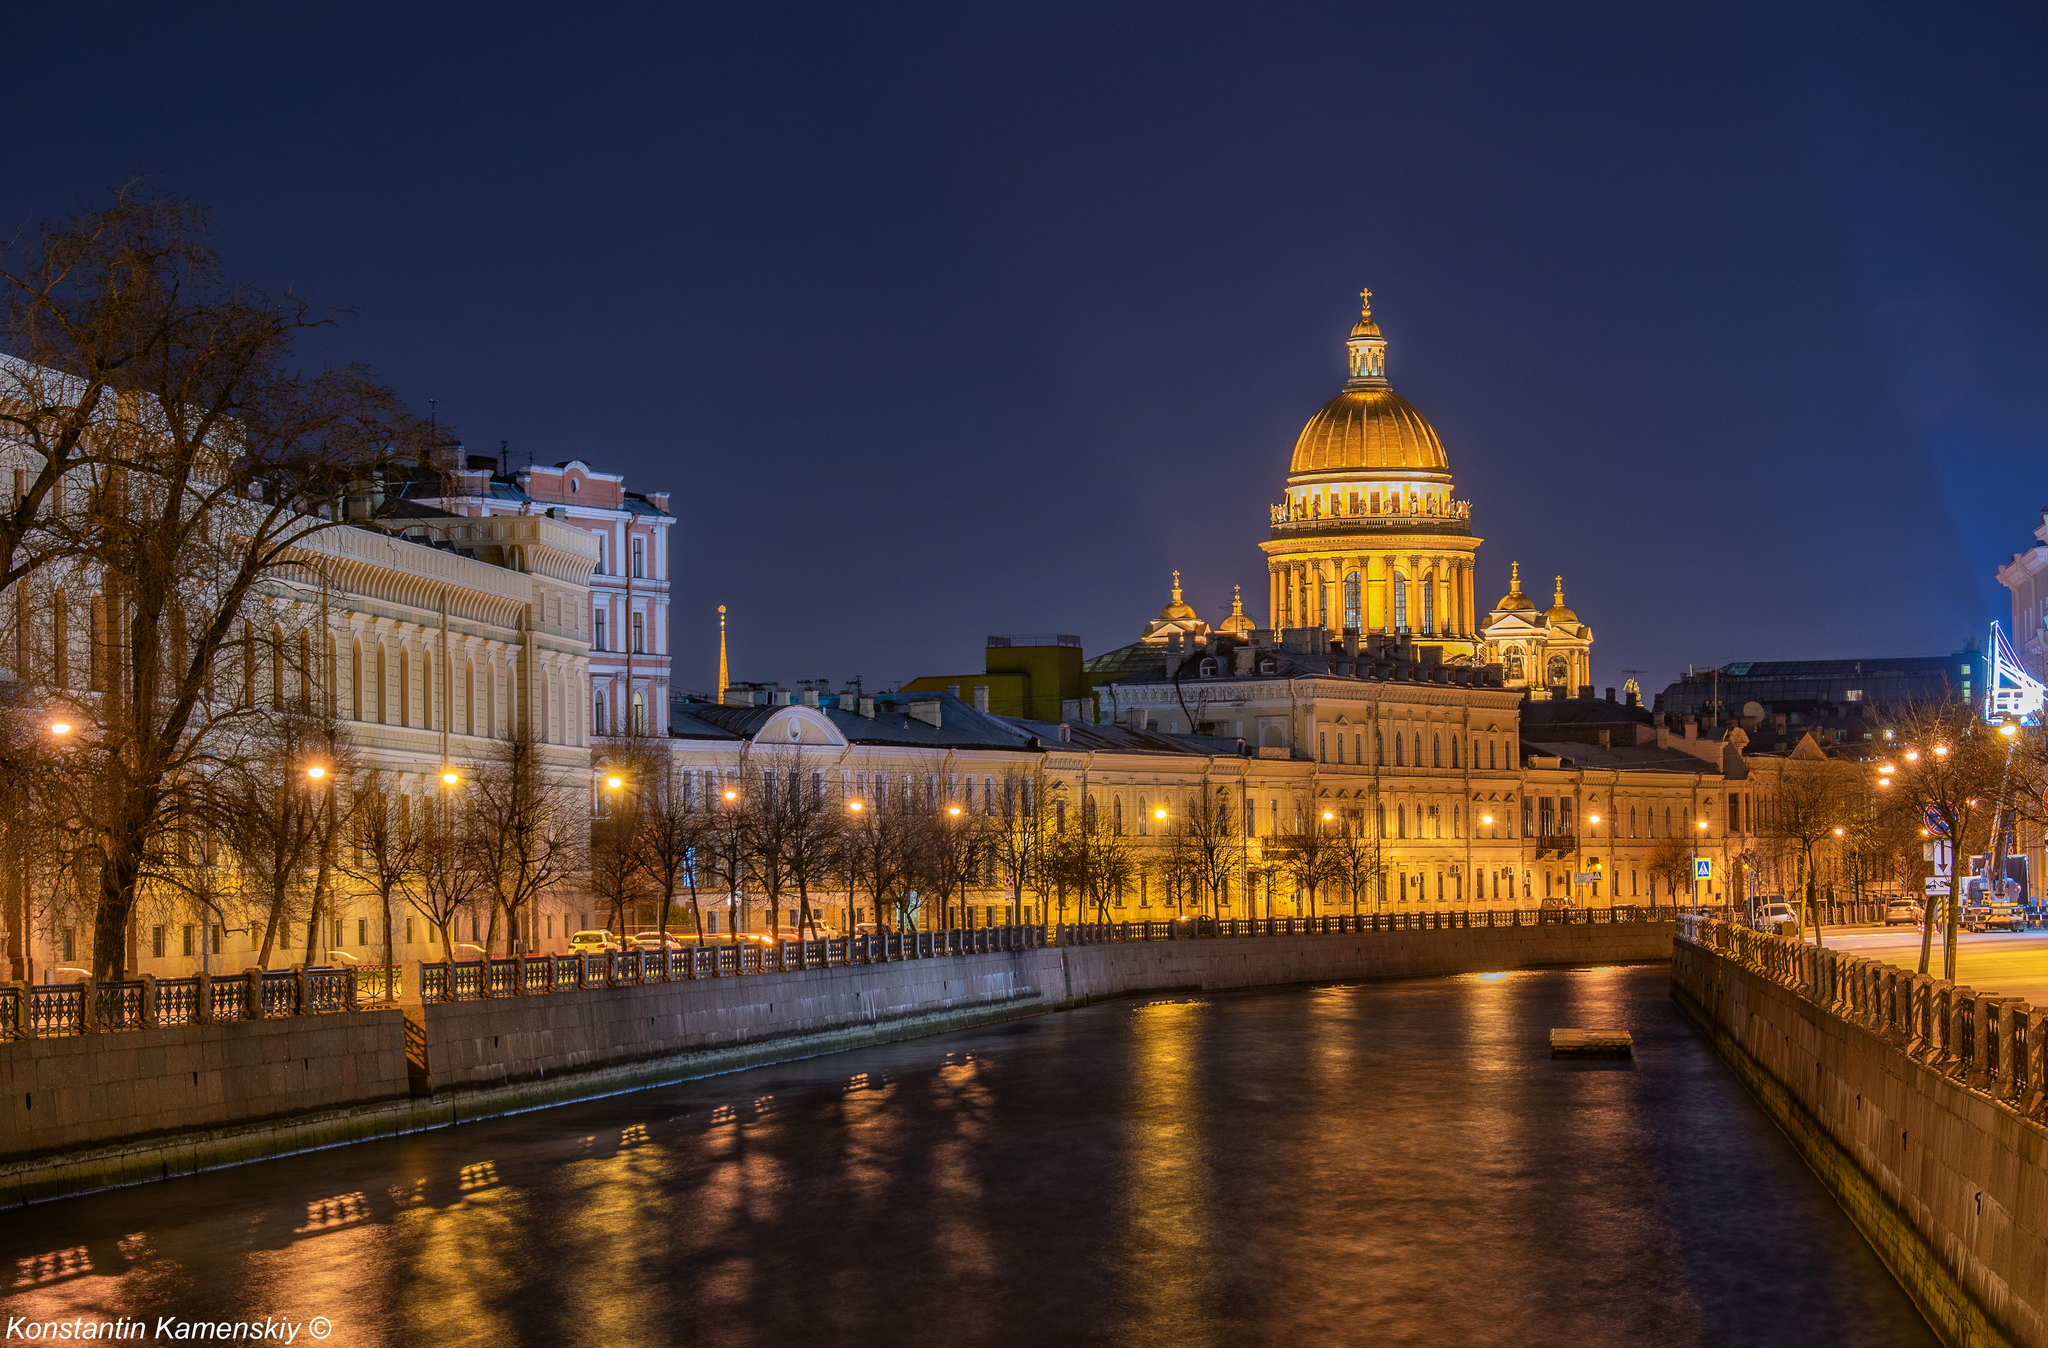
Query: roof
{"points": [[960, 725], [1582, 711], [1111, 738], [1632, 758]]}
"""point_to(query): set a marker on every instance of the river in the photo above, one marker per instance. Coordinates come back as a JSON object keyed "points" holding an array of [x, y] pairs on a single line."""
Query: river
{"points": [[1389, 1163]]}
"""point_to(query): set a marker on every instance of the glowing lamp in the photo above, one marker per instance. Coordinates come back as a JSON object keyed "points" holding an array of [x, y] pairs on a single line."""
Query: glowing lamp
{"points": [[60, 727], [1159, 814], [614, 782], [450, 778], [954, 810], [732, 795], [316, 772], [853, 805], [2008, 730]]}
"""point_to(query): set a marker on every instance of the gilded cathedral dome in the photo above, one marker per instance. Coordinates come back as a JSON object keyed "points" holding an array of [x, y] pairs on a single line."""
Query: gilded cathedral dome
{"points": [[1368, 426]]}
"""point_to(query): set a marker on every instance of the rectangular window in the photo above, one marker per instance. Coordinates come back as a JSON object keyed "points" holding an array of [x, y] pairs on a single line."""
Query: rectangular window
{"points": [[597, 630], [156, 943], [1251, 818], [1322, 746], [362, 931], [1564, 816], [408, 931], [639, 634], [640, 558], [188, 938], [67, 946]]}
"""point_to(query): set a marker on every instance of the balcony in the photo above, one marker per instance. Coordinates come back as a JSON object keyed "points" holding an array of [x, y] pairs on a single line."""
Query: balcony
{"points": [[1457, 520]]}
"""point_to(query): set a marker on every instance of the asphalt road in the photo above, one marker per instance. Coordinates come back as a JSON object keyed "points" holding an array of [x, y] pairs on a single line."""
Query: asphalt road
{"points": [[2006, 964]]}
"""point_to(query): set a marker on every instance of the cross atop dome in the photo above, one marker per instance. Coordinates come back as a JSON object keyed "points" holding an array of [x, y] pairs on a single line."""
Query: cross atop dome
{"points": [[1365, 303]]}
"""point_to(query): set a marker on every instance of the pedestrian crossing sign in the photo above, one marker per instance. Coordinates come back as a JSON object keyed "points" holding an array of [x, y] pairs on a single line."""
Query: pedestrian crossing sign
{"points": [[1702, 868]]}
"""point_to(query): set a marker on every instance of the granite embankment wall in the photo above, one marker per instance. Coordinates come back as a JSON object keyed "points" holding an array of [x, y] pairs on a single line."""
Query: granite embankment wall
{"points": [[92, 1111], [1915, 1103]]}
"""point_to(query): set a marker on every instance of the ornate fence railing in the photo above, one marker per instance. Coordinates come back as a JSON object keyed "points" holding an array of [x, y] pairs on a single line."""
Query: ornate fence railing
{"points": [[53, 1010], [1991, 1044], [738, 958], [46, 1010]]}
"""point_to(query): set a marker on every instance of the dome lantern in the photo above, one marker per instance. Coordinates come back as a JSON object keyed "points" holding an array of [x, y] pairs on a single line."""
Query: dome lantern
{"points": [[1368, 350]]}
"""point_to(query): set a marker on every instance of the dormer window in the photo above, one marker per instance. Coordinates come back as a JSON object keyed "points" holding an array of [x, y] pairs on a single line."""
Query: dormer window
{"points": [[574, 486], [1268, 667], [1208, 669]]}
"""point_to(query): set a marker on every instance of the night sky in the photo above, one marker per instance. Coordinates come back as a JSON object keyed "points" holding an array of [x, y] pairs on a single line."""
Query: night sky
{"points": [[981, 318]]}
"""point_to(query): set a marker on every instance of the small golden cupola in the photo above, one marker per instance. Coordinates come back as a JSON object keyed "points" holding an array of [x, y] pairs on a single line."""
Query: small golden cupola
{"points": [[1237, 624], [1178, 616], [1557, 612], [1514, 601]]}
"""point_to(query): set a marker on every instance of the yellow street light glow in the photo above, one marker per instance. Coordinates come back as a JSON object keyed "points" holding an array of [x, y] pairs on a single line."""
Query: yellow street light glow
{"points": [[1486, 819], [1884, 781], [614, 782], [1703, 823], [732, 795], [1913, 756], [1594, 818], [2008, 730], [1328, 815], [851, 805], [451, 777], [1887, 768], [954, 810], [60, 727], [1838, 833], [1159, 814], [1941, 748], [316, 772]]}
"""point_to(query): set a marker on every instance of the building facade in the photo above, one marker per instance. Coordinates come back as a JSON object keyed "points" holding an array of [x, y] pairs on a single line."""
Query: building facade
{"points": [[628, 624]]}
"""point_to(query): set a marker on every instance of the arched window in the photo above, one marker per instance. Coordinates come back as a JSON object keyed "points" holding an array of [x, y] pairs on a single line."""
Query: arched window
{"points": [[1418, 748], [1116, 813], [1400, 821], [1454, 751], [427, 689], [1560, 673], [469, 697], [1514, 670], [1354, 616], [1436, 751], [1429, 601], [1144, 817], [378, 691], [1400, 751], [355, 681], [597, 720], [639, 713], [1400, 602], [404, 686]]}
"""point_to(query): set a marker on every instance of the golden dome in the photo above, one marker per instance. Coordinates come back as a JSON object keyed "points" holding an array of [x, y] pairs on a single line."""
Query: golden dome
{"points": [[1237, 624], [1514, 601], [1557, 612], [1175, 611], [1366, 428]]}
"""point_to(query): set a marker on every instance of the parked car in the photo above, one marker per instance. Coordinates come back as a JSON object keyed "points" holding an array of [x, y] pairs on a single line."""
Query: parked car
{"points": [[593, 943], [654, 940], [1776, 917], [1902, 912]]}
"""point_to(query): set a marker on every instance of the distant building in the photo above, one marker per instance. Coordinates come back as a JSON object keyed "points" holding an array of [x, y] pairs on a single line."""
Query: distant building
{"points": [[1759, 691], [2026, 576], [629, 586]]}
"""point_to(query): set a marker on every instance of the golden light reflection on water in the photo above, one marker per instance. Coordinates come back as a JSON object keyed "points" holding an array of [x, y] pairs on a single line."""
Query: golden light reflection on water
{"points": [[1167, 1245]]}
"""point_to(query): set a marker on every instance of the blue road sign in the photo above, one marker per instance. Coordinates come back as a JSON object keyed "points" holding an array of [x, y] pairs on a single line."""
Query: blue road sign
{"points": [[1936, 824], [1702, 868]]}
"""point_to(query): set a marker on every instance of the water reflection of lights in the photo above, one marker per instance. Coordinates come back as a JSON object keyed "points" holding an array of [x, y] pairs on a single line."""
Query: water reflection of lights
{"points": [[1493, 978]]}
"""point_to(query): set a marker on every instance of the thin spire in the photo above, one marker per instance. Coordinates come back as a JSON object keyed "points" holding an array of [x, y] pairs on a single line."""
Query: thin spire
{"points": [[1560, 591], [1176, 587], [721, 655], [1514, 577], [1237, 601]]}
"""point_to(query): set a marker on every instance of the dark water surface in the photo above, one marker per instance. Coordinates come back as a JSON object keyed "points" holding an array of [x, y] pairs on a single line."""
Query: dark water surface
{"points": [[1387, 1163]]}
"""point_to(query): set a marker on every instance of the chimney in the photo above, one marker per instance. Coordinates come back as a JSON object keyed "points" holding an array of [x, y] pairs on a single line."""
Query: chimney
{"points": [[981, 698], [953, 688], [926, 709], [867, 706], [1244, 656], [1692, 728], [1610, 695], [781, 698], [1605, 736], [1585, 692]]}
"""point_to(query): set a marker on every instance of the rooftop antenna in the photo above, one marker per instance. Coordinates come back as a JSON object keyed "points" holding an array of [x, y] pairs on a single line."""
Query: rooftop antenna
{"points": [[504, 458], [434, 413]]}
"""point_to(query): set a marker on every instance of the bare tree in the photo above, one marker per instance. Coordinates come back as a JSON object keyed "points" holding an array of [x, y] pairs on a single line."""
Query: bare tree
{"points": [[1670, 860], [1019, 831], [876, 847], [530, 830], [381, 851], [813, 824], [1358, 854], [1307, 848], [453, 871], [177, 461], [1945, 777], [1805, 806], [674, 827], [271, 797]]}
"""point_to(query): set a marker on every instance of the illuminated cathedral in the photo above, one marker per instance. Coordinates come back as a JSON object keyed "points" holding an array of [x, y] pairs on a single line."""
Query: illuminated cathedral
{"points": [[1371, 539]]}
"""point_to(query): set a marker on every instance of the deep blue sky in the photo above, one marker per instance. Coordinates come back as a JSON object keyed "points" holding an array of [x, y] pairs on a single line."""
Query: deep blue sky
{"points": [[981, 318]]}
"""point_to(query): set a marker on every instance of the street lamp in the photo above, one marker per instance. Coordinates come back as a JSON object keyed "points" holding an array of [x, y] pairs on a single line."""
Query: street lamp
{"points": [[60, 727], [450, 777], [853, 805], [614, 783]]}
